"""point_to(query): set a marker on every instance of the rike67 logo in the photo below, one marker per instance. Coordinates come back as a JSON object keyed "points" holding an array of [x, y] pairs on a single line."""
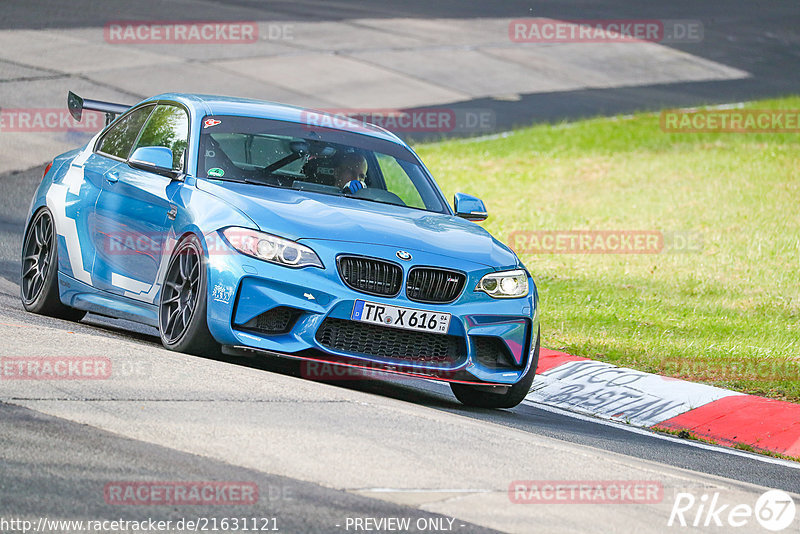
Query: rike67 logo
{"points": [[774, 510]]}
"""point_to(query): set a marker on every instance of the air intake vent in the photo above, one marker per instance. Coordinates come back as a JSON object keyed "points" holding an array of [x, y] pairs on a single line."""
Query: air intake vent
{"points": [[493, 353], [369, 275], [275, 321], [435, 286]]}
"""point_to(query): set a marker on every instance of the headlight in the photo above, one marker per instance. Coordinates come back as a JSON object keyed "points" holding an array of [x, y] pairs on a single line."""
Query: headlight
{"points": [[505, 284], [271, 248]]}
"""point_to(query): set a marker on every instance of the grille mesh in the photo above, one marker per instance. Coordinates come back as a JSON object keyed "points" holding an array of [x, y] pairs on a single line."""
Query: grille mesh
{"points": [[427, 284], [386, 342], [372, 276]]}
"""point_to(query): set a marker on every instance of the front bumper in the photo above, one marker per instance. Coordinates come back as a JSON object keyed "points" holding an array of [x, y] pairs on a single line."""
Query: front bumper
{"points": [[255, 305]]}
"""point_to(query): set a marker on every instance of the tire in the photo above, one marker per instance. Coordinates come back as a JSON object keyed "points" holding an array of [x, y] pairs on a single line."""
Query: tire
{"points": [[38, 282], [183, 306], [478, 396]]}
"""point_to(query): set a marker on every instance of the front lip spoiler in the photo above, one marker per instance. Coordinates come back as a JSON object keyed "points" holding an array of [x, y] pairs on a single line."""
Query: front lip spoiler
{"points": [[234, 350]]}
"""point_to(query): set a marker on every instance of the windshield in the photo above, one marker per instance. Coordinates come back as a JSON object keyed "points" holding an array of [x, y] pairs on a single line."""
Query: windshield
{"points": [[313, 159]]}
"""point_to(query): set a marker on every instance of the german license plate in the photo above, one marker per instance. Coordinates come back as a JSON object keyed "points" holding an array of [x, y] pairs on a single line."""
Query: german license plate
{"points": [[397, 317]]}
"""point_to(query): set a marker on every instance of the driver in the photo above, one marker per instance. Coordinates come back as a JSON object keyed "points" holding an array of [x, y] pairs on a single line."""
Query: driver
{"points": [[350, 171]]}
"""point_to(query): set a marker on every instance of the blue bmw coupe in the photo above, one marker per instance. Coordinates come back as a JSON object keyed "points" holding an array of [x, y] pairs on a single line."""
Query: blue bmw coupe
{"points": [[244, 226]]}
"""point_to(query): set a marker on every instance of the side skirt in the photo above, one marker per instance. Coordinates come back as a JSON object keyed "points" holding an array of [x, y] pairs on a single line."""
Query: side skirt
{"points": [[85, 297]]}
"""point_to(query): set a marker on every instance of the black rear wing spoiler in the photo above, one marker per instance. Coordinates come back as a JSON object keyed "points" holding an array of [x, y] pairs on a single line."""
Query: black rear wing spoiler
{"points": [[76, 105]]}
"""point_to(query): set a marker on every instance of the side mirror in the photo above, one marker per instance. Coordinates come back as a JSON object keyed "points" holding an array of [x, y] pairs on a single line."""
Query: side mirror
{"points": [[155, 159], [469, 207]]}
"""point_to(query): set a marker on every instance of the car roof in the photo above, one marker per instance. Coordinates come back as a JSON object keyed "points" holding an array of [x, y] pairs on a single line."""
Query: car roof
{"points": [[247, 107]]}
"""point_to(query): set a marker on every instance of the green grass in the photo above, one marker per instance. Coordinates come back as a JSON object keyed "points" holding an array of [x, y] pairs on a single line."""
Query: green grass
{"points": [[727, 314]]}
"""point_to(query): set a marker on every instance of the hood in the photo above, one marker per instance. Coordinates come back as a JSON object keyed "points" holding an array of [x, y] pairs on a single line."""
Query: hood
{"points": [[300, 215]]}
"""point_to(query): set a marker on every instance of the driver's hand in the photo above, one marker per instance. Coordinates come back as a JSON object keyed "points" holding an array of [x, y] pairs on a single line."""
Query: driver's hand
{"points": [[352, 186]]}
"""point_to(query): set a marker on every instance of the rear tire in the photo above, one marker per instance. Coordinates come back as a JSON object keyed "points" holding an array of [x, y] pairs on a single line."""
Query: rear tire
{"points": [[38, 283], [183, 307], [479, 397]]}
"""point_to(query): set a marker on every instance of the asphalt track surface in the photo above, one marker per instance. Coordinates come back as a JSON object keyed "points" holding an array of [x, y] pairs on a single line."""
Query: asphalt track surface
{"points": [[54, 465], [99, 457], [760, 38]]}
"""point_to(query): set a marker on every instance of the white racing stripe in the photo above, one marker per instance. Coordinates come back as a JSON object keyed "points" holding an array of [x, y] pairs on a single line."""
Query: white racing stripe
{"points": [[66, 226], [132, 287]]}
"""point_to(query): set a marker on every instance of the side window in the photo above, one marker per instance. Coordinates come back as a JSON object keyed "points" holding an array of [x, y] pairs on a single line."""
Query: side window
{"points": [[168, 126], [398, 182], [119, 139]]}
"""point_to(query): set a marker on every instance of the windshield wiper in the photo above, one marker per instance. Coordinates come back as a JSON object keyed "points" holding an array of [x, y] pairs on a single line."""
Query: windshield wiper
{"points": [[241, 181], [252, 181]]}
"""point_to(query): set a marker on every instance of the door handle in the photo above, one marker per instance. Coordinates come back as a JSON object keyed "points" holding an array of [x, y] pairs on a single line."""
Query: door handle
{"points": [[112, 177]]}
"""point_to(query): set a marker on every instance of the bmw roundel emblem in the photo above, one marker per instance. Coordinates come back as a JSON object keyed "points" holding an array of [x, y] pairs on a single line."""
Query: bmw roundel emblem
{"points": [[403, 255]]}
